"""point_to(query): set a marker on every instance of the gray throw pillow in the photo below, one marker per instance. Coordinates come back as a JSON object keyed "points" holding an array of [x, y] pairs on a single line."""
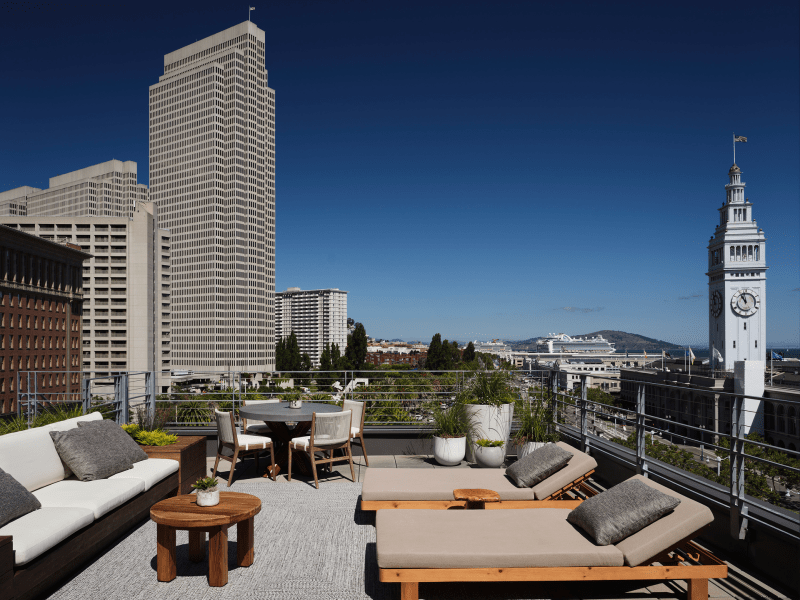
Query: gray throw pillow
{"points": [[92, 453], [621, 511], [125, 442], [538, 465], [15, 500]]}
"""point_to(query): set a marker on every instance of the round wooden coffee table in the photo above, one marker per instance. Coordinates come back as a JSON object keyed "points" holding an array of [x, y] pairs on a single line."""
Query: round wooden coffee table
{"points": [[182, 512]]}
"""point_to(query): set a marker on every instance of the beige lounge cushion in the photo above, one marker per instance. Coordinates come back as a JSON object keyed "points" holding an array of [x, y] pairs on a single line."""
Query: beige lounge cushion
{"points": [[578, 466], [37, 532], [30, 457], [429, 539], [437, 484], [687, 518]]}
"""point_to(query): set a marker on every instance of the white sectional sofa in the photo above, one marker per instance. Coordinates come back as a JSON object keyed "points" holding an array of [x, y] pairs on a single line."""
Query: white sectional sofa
{"points": [[77, 518]]}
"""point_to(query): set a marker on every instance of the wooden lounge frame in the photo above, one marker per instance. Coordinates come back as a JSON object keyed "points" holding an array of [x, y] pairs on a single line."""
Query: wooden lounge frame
{"points": [[701, 566], [562, 498]]}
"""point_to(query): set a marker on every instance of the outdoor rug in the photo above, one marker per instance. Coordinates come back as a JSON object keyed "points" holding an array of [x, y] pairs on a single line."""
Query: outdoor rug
{"points": [[309, 544]]}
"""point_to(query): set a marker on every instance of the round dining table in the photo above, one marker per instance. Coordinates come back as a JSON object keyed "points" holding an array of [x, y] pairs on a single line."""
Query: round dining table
{"points": [[285, 424]]}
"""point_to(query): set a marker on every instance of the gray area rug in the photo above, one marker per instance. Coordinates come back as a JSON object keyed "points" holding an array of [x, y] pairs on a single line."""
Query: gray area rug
{"points": [[309, 543]]}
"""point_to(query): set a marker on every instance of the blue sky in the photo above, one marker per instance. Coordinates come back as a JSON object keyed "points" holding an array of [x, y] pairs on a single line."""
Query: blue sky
{"points": [[479, 169]]}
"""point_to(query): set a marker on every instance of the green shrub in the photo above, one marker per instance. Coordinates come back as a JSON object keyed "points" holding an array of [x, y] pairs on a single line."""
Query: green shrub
{"points": [[155, 438], [484, 443]]}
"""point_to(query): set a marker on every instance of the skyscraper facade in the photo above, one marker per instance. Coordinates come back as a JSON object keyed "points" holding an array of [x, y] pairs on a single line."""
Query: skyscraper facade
{"points": [[212, 175]]}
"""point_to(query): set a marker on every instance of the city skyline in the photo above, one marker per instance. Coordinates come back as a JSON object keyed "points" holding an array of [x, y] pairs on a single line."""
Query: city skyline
{"points": [[481, 172]]}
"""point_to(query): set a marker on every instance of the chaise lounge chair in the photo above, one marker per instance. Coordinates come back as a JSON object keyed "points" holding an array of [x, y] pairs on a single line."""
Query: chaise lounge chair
{"points": [[433, 488], [539, 544]]}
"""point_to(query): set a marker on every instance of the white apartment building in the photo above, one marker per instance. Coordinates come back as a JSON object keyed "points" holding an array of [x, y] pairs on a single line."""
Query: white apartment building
{"points": [[126, 287], [212, 175], [317, 318], [109, 189]]}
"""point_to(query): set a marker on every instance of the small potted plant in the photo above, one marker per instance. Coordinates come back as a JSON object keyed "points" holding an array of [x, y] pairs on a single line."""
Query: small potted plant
{"points": [[207, 492], [451, 428], [536, 426], [489, 453], [294, 398]]}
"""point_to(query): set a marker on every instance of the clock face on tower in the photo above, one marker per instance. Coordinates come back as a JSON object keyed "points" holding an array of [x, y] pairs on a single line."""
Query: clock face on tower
{"points": [[716, 304], [744, 302]]}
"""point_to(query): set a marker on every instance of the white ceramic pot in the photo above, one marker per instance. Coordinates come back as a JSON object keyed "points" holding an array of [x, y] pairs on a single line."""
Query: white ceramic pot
{"points": [[449, 451], [295, 403], [529, 447], [491, 423], [491, 458], [208, 497]]}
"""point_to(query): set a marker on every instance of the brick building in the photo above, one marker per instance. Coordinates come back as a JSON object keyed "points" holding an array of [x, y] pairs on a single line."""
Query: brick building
{"points": [[395, 358], [41, 302]]}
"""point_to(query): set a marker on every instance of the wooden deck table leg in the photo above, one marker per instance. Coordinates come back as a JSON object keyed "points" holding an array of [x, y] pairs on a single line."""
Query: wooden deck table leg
{"points": [[409, 590], [197, 545], [697, 589], [165, 553], [245, 553], [218, 556]]}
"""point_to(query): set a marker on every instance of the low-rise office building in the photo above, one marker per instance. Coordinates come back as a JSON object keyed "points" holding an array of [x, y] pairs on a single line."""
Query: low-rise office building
{"points": [[126, 324], [41, 303]]}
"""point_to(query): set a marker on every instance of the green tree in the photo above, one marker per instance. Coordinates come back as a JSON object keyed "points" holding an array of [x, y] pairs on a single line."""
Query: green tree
{"points": [[435, 360], [356, 350], [469, 353], [280, 355]]}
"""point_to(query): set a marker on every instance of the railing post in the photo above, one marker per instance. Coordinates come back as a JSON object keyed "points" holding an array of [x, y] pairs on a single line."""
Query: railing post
{"points": [[641, 432], [737, 508], [150, 387], [584, 415], [121, 398], [35, 398], [86, 396]]}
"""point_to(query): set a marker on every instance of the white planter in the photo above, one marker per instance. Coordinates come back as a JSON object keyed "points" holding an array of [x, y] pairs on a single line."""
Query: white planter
{"points": [[529, 447], [208, 497], [491, 458], [449, 451], [295, 403], [490, 423]]}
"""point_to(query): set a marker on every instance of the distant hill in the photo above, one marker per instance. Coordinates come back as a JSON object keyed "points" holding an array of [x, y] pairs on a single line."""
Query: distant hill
{"points": [[632, 342]]}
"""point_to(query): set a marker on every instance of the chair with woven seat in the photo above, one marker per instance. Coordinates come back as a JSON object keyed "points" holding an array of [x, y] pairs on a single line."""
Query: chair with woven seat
{"points": [[240, 444], [357, 430], [257, 427], [329, 432]]}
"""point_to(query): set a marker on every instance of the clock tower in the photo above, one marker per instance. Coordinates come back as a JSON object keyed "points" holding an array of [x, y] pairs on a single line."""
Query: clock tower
{"points": [[737, 277]]}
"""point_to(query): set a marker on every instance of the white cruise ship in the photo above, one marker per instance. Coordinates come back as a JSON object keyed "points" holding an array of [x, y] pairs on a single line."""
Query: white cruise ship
{"points": [[555, 343]]}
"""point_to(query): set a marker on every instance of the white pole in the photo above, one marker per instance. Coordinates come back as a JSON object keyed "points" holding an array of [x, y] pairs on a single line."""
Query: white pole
{"points": [[734, 148]]}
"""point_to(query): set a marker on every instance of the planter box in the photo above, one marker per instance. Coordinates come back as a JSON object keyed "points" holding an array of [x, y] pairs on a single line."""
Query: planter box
{"points": [[190, 452]]}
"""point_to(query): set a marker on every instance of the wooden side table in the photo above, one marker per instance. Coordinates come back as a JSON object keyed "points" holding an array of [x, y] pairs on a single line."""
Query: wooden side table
{"points": [[190, 452], [476, 498], [182, 512]]}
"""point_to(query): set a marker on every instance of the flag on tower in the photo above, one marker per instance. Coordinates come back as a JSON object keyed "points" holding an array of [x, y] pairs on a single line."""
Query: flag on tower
{"points": [[776, 356], [740, 138], [718, 356], [691, 355]]}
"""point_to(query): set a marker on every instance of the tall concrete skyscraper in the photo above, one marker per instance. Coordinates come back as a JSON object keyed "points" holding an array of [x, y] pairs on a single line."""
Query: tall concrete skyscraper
{"points": [[212, 175]]}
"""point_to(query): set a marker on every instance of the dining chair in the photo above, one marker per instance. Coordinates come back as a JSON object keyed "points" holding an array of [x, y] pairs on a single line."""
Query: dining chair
{"points": [[241, 444], [357, 430], [329, 432], [257, 427]]}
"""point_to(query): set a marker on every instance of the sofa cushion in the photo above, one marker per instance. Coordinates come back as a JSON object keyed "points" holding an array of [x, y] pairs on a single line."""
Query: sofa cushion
{"points": [[538, 465], [149, 471], [99, 496], [15, 500], [579, 465], [464, 539], [37, 532], [120, 437], [437, 484], [31, 458], [91, 453], [72, 423], [622, 510], [688, 518]]}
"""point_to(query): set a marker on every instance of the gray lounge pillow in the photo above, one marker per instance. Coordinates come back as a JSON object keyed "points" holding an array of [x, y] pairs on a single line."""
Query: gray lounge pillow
{"points": [[15, 500], [91, 453], [126, 444], [621, 511], [538, 465]]}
